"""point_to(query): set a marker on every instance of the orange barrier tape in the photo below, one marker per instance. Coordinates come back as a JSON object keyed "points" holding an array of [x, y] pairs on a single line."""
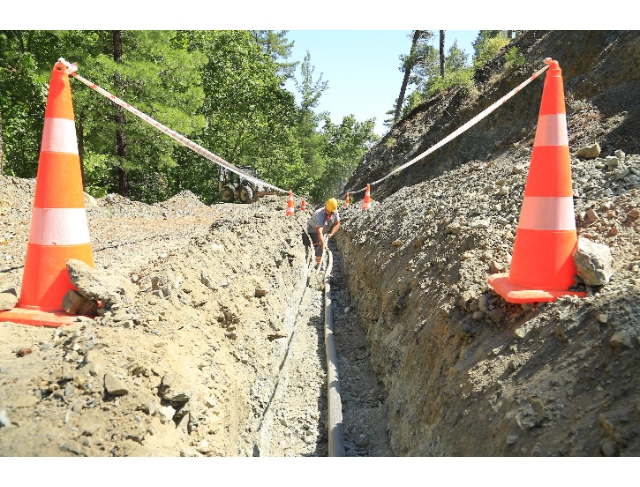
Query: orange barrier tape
{"points": [[71, 69], [461, 130]]}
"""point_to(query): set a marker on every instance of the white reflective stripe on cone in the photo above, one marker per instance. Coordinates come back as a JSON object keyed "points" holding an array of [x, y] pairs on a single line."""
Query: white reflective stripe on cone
{"points": [[59, 135], [551, 131], [59, 226], [547, 213]]}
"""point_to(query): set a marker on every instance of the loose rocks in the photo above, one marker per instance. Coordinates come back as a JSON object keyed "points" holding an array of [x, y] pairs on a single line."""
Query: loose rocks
{"points": [[94, 285], [593, 262], [76, 304], [8, 299], [114, 386]]}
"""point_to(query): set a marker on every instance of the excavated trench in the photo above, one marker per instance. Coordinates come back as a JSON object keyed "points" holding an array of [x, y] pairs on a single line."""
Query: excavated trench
{"points": [[360, 426], [211, 314], [217, 348]]}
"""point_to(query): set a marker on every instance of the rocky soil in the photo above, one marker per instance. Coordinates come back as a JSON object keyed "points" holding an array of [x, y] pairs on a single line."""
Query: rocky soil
{"points": [[466, 373], [219, 350], [215, 350]]}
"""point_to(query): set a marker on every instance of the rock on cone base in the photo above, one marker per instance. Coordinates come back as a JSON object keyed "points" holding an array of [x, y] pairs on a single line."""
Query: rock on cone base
{"points": [[542, 266], [59, 228]]}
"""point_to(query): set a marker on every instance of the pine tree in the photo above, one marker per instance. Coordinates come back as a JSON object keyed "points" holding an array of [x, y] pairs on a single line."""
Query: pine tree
{"points": [[416, 55], [121, 140], [442, 55], [276, 45]]}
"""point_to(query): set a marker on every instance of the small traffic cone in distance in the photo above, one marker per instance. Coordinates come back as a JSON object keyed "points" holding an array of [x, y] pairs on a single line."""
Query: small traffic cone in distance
{"points": [[303, 205], [366, 202], [290, 208], [542, 267], [59, 229], [346, 202]]}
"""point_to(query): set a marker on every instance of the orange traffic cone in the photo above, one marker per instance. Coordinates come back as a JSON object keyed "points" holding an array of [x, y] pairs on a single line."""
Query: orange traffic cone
{"points": [[303, 206], [542, 266], [346, 202], [366, 202], [59, 229], [290, 209]]}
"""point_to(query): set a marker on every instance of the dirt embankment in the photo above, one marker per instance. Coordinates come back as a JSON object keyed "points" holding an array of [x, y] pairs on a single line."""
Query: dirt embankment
{"points": [[216, 350], [469, 374], [465, 372], [190, 362]]}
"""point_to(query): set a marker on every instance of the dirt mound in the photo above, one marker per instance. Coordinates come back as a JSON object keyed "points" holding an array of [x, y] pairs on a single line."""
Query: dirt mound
{"points": [[185, 200], [187, 366], [458, 362]]}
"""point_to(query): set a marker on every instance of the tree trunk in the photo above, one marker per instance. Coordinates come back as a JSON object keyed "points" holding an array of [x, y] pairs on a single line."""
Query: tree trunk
{"points": [[121, 141], [407, 72], [81, 148], [442, 53], [509, 34], [1, 146]]}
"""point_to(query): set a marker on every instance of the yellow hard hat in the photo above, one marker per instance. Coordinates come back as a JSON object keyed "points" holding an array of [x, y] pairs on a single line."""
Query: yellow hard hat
{"points": [[331, 205]]}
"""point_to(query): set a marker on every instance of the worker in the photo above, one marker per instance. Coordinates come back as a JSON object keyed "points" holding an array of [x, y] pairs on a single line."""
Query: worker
{"points": [[323, 224]]}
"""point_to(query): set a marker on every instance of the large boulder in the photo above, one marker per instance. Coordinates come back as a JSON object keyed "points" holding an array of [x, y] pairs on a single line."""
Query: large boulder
{"points": [[593, 262], [93, 284]]}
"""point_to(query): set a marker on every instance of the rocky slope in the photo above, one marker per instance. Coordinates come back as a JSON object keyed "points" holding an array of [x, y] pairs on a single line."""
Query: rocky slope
{"points": [[601, 73], [465, 372]]}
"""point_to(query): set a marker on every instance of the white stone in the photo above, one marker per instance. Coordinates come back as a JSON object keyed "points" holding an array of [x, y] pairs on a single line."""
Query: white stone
{"points": [[479, 224], [594, 263], [166, 413]]}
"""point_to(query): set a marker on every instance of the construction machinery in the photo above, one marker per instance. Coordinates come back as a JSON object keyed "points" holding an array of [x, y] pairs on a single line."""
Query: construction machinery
{"points": [[234, 187]]}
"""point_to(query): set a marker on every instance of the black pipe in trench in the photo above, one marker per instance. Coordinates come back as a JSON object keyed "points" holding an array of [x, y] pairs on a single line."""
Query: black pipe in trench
{"points": [[335, 425]]}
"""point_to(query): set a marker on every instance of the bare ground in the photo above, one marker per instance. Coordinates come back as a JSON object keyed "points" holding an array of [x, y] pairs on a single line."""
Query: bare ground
{"points": [[225, 304]]}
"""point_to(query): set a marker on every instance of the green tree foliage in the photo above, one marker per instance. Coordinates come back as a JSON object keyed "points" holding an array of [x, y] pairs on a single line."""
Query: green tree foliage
{"points": [[487, 45], [457, 58], [250, 116], [276, 45], [330, 151], [158, 76], [23, 98], [424, 66], [222, 89], [345, 145], [419, 49], [513, 58], [312, 141], [426, 74]]}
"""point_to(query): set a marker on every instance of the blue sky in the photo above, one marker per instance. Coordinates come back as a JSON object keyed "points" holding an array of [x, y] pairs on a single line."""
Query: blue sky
{"points": [[361, 67]]}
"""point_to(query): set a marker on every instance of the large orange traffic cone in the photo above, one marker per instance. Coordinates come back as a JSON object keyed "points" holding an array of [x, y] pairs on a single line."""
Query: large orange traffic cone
{"points": [[542, 266], [290, 208], [366, 202], [59, 229], [346, 202], [303, 205]]}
